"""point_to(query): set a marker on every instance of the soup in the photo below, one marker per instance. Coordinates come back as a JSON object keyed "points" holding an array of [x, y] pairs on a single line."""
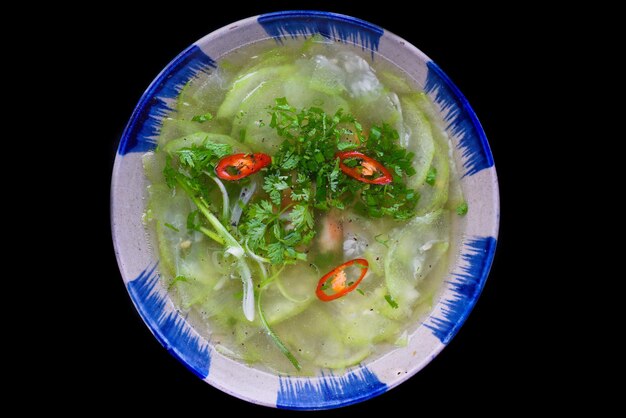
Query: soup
{"points": [[301, 198]]}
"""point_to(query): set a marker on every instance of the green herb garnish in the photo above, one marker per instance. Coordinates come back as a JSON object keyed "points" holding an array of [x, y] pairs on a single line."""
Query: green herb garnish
{"points": [[202, 118], [391, 302], [431, 176], [170, 226], [381, 241], [462, 209], [177, 279], [306, 170]]}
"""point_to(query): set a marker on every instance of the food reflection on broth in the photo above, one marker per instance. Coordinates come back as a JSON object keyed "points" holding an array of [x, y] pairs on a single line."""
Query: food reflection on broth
{"points": [[301, 198]]}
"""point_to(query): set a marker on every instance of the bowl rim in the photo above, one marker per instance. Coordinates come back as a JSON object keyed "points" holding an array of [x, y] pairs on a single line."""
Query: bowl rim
{"points": [[481, 275]]}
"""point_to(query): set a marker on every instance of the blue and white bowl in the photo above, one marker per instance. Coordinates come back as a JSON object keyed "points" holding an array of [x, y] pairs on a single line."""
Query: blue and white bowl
{"points": [[468, 269]]}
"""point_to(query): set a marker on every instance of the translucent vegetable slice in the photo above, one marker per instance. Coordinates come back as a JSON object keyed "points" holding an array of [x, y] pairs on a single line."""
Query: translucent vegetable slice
{"points": [[418, 139], [414, 250], [244, 86], [200, 138]]}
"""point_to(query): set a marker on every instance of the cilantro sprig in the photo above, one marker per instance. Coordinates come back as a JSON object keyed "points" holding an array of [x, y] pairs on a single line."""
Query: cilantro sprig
{"points": [[189, 170], [305, 176]]}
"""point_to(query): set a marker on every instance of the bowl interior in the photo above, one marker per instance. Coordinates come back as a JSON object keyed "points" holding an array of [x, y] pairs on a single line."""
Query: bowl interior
{"points": [[474, 235]]}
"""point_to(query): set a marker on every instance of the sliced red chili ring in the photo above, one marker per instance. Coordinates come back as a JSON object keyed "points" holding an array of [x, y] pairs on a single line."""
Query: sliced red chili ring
{"points": [[337, 277], [367, 170], [238, 166]]}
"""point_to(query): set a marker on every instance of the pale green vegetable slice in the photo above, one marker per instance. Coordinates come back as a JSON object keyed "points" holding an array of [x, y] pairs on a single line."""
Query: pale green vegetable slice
{"points": [[380, 106], [361, 322], [203, 93], [394, 83], [314, 335], [327, 77], [274, 57], [185, 256], [433, 197], [452, 194], [428, 108], [300, 97], [153, 165], [290, 295], [414, 250], [246, 85], [418, 139], [169, 212], [173, 128], [197, 273], [223, 303], [199, 138], [253, 124]]}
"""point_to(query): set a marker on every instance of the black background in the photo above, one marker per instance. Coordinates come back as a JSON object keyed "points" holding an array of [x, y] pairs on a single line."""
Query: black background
{"points": [[484, 56]]}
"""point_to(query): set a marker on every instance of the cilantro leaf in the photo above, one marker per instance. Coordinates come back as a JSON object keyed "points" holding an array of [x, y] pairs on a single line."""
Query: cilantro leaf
{"points": [[292, 239], [204, 157], [301, 217], [255, 232], [274, 184], [276, 252], [302, 193], [333, 177], [262, 210], [306, 239], [219, 150], [289, 161], [346, 146]]}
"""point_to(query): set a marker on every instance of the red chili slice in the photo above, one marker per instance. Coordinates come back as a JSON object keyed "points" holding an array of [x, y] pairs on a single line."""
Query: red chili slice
{"points": [[238, 166], [337, 278], [368, 169]]}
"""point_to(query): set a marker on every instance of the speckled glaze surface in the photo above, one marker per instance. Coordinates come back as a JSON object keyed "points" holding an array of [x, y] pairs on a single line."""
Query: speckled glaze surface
{"points": [[476, 232]]}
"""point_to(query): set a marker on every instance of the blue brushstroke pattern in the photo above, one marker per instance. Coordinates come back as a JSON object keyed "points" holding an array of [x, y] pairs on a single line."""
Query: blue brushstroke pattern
{"points": [[333, 26], [461, 119], [145, 123], [478, 253], [169, 328], [328, 391]]}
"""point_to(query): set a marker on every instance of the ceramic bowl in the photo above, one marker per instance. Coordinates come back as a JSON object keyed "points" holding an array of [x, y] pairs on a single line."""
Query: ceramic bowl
{"points": [[469, 267]]}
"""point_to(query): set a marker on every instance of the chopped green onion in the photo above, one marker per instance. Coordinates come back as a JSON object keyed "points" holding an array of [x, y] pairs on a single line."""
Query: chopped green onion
{"points": [[170, 226], [391, 302]]}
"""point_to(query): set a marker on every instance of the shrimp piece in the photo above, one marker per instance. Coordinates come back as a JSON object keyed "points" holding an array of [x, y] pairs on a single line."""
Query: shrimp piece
{"points": [[331, 235]]}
